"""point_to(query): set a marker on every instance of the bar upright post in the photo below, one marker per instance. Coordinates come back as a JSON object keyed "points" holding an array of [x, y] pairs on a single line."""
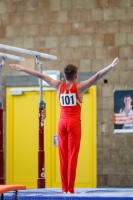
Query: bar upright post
{"points": [[2, 180], [41, 153]]}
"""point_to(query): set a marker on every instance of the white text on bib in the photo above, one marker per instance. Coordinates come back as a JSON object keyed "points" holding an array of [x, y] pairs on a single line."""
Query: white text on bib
{"points": [[68, 100]]}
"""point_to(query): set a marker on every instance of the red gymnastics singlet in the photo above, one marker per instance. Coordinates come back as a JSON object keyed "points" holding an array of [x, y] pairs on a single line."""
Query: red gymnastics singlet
{"points": [[69, 135]]}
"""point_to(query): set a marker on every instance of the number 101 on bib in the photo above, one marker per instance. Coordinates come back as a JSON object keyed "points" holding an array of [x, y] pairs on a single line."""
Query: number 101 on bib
{"points": [[68, 100]]}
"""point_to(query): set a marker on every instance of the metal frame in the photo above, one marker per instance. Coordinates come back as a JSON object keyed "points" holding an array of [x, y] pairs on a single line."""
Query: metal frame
{"points": [[42, 109], [3, 62]]}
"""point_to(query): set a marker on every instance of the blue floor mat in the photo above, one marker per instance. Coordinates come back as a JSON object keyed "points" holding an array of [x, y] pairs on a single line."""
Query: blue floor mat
{"points": [[87, 193]]}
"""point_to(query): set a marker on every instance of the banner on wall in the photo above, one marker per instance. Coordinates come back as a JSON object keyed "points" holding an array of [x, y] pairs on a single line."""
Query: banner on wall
{"points": [[123, 111]]}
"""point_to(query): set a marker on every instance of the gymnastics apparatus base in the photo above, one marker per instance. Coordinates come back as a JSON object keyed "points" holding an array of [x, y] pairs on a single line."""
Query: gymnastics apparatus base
{"points": [[81, 194], [8, 188]]}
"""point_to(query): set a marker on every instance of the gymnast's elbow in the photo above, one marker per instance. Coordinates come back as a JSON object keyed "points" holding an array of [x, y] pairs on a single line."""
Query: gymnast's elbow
{"points": [[97, 76]]}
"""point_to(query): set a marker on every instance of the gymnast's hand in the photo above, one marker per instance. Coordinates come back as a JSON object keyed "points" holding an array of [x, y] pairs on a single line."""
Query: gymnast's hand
{"points": [[115, 62], [16, 67]]}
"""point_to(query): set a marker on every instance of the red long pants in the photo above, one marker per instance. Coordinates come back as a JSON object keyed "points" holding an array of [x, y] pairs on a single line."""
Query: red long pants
{"points": [[69, 135]]}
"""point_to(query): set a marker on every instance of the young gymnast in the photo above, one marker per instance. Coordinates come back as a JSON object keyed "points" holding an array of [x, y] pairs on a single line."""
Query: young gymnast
{"points": [[70, 96]]}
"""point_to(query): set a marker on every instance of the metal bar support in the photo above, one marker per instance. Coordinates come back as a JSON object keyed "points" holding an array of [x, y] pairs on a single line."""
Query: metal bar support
{"points": [[2, 180], [4, 57], [41, 117]]}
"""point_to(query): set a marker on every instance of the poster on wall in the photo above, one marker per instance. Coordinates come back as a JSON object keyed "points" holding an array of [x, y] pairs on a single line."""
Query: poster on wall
{"points": [[123, 111]]}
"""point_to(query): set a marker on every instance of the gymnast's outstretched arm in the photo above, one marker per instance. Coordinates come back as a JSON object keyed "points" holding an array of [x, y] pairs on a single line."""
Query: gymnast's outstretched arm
{"points": [[83, 85], [52, 82]]}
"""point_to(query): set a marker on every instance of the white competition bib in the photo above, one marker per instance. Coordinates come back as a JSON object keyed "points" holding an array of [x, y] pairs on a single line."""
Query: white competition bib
{"points": [[68, 100]]}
